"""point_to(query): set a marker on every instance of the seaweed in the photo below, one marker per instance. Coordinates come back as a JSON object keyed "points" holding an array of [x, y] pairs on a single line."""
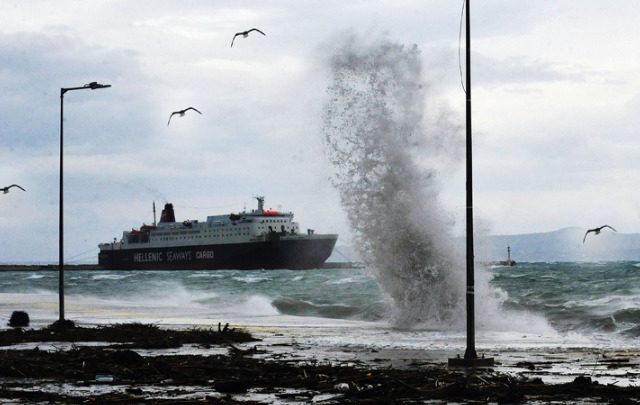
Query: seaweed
{"points": [[137, 335], [236, 376]]}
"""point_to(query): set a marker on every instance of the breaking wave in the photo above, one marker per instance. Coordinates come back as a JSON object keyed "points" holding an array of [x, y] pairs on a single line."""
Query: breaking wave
{"points": [[292, 306], [375, 136]]}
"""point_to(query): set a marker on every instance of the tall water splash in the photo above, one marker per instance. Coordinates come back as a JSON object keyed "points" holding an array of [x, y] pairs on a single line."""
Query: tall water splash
{"points": [[376, 139]]}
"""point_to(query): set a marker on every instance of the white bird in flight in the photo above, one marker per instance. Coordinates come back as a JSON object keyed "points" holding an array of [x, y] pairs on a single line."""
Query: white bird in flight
{"points": [[5, 190], [245, 34], [596, 231], [181, 113]]}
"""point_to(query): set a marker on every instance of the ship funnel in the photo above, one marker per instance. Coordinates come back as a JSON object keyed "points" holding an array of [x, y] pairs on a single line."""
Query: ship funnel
{"points": [[167, 214], [260, 203]]}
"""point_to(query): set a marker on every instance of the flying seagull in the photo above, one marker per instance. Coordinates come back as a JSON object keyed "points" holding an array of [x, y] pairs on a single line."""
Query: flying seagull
{"points": [[181, 113], [5, 190], [245, 34], [596, 231]]}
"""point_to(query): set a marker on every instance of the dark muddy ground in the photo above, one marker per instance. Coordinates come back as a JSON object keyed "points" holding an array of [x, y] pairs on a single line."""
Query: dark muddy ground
{"points": [[130, 366]]}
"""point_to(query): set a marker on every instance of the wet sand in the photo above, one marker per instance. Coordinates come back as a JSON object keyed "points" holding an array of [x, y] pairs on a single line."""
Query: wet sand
{"points": [[139, 363]]}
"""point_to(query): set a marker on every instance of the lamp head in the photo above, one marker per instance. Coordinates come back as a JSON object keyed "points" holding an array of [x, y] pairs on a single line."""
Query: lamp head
{"points": [[96, 85]]}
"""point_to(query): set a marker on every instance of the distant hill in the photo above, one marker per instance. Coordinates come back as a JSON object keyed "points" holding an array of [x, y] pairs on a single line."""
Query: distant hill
{"points": [[561, 245]]}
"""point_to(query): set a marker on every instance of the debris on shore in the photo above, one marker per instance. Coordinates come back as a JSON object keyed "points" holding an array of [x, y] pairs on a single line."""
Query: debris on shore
{"points": [[134, 335], [125, 371]]}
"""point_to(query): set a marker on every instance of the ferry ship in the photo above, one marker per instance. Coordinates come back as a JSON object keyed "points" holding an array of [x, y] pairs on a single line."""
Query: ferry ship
{"points": [[260, 239]]}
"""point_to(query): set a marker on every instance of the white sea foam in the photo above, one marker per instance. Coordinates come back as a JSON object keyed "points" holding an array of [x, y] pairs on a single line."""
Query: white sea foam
{"points": [[110, 276], [252, 278], [491, 316], [171, 294], [255, 305], [345, 280], [207, 274]]}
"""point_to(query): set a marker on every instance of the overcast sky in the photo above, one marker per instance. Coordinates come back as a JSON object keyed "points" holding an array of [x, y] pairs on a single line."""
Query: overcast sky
{"points": [[555, 102]]}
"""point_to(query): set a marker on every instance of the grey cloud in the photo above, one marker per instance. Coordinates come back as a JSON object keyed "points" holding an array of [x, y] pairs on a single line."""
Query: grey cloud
{"points": [[520, 70], [36, 66]]}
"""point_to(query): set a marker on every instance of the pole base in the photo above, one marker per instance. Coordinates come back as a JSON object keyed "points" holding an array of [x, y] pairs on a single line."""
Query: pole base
{"points": [[477, 362], [63, 324]]}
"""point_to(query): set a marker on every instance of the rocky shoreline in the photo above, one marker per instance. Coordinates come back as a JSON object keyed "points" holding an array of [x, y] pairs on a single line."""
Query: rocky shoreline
{"points": [[138, 363]]}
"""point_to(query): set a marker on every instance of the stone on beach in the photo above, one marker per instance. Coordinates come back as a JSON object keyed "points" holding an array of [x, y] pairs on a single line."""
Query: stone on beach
{"points": [[19, 319]]}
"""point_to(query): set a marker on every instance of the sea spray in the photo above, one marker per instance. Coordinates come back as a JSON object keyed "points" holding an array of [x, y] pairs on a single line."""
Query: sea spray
{"points": [[492, 315], [376, 140]]}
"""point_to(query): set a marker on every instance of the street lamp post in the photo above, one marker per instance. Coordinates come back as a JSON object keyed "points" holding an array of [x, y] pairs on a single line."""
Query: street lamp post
{"points": [[471, 358], [91, 86]]}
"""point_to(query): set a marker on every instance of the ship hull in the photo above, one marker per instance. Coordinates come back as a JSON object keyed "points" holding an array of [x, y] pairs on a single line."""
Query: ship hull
{"points": [[278, 253]]}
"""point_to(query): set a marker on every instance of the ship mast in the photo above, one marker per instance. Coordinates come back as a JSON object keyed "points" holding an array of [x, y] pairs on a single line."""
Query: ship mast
{"points": [[154, 213]]}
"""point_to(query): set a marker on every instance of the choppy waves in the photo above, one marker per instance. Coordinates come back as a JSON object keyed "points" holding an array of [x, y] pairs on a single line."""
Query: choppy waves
{"points": [[292, 306], [576, 297], [572, 298], [196, 295]]}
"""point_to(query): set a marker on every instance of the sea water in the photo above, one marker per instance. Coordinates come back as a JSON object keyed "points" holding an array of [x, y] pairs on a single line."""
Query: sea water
{"points": [[531, 305]]}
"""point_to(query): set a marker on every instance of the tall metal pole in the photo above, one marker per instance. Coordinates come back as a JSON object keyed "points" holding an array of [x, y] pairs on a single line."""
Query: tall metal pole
{"points": [[61, 219], [470, 356], [91, 86], [470, 353]]}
